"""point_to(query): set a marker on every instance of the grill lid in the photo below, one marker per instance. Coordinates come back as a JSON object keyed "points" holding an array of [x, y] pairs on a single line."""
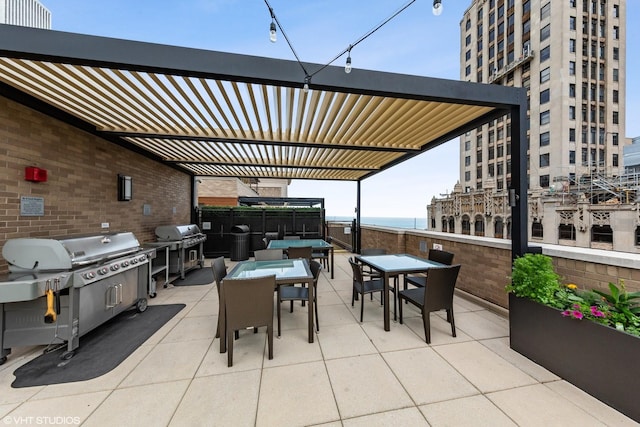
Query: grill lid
{"points": [[167, 233], [65, 253]]}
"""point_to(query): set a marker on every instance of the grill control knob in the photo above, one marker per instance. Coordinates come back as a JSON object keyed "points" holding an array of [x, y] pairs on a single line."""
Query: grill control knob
{"points": [[134, 261], [115, 267], [125, 263], [89, 275], [103, 271], [143, 258]]}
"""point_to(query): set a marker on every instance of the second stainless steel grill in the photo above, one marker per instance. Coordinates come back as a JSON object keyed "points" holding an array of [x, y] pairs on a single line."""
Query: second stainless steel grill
{"points": [[185, 246]]}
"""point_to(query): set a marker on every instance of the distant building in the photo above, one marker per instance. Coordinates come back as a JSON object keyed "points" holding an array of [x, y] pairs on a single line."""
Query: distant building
{"points": [[226, 191], [570, 55], [632, 156], [26, 13]]}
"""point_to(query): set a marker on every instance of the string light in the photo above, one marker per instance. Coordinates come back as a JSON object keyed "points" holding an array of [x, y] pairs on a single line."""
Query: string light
{"points": [[272, 28], [437, 7], [275, 24]]}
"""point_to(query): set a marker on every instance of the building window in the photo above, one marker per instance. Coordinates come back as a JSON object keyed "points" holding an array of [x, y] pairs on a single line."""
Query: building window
{"points": [[479, 226], [544, 139], [467, 176], [544, 96], [616, 32], [545, 11], [616, 11], [467, 161], [602, 233], [536, 229], [498, 228], [572, 112], [615, 117], [467, 145], [572, 68], [572, 45], [616, 75], [466, 225], [468, 40], [467, 70], [614, 160], [567, 232], [545, 53], [616, 53], [572, 3], [545, 117], [544, 160], [444, 225], [500, 151], [614, 138], [638, 236], [572, 134], [572, 157], [467, 55], [479, 172], [452, 225], [572, 23], [544, 181], [545, 32], [468, 24], [545, 75], [492, 153], [572, 90]]}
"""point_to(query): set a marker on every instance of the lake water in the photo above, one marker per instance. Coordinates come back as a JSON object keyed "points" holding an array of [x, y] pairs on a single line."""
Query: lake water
{"points": [[413, 223]]}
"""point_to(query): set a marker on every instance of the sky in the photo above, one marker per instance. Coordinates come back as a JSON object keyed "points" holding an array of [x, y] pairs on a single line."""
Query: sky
{"points": [[413, 42]]}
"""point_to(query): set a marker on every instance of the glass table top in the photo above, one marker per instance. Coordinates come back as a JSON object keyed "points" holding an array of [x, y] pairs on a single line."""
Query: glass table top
{"points": [[398, 262], [284, 270], [284, 244]]}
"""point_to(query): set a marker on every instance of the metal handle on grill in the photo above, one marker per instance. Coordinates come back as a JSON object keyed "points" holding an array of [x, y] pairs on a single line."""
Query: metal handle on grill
{"points": [[112, 297]]}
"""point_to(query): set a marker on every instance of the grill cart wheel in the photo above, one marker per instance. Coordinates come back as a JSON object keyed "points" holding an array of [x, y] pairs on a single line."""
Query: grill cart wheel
{"points": [[141, 305], [3, 359], [67, 355]]}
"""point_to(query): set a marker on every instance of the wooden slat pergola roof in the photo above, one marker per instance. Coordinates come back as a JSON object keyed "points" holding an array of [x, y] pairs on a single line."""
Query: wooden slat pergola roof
{"points": [[229, 115]]}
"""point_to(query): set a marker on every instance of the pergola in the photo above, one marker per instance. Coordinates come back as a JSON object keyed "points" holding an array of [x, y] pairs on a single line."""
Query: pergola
{"points": [[218, 114]]}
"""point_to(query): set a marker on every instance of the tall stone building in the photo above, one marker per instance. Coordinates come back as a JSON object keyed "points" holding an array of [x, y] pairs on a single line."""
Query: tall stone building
{"points": [[27, 13], [571, 57]]}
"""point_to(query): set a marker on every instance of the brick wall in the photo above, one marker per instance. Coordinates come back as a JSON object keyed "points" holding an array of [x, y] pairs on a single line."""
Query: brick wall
{"points": [[81, 191]]}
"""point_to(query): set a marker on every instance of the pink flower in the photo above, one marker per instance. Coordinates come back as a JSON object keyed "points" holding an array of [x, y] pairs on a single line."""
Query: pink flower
{"points": [[576, 306], [577, 315], [596, 312], [566, 313]]}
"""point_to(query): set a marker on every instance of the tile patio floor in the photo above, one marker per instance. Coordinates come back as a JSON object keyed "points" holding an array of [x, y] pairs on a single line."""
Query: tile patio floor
{"points": [[352, 375]]}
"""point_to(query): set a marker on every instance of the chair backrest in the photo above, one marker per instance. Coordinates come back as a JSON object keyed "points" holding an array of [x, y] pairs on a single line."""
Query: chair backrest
{"points": [[300, 252], [439, 288], [357, 270], [291, 238], [315, 267], [373, 251], [219, 271], [248, 302], [443, 257], [268, 254]]}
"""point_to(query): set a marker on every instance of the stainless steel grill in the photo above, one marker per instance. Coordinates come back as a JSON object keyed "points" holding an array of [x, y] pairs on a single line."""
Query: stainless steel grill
{"points": [[185, 246], [91, 279]]}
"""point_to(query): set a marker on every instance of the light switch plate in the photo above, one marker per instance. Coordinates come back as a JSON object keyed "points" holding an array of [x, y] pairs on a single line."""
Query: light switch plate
{"points": [[105, 225]]}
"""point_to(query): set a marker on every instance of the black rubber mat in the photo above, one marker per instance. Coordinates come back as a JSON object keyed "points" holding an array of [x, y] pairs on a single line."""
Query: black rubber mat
{"points": [[201, 276], [100, 350]]}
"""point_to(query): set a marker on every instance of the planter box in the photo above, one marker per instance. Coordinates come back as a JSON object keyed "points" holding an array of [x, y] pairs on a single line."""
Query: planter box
{"points": [[598, 359]]}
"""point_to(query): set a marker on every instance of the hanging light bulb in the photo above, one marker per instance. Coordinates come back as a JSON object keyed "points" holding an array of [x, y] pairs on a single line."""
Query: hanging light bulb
{"points": [[437, 7], [347, 66], [272, 32], [305, 87]]}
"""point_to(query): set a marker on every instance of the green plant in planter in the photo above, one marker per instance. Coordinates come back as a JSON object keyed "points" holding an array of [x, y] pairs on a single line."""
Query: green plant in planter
{"points": [[534, 277], [625, 307]]}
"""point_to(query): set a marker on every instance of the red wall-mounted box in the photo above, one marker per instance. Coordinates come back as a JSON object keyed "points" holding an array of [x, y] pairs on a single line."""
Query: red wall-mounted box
{"points": [[34, 174]]}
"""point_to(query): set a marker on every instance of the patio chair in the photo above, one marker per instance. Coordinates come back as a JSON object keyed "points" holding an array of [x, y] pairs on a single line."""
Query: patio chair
{"points": [[362, 286], [436, 295], [323, 257], [300, 252], [443, 257], [268, 254], [248, 302], [300, 293], [219, 273]]}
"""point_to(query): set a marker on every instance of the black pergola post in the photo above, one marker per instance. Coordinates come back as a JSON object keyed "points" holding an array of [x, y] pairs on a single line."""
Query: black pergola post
{"points": [[519, 184]]}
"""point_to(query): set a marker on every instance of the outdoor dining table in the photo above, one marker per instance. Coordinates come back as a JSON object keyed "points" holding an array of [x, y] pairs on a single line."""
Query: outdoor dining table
{"points": [[392, 265], [317, 245], [287, 272]]}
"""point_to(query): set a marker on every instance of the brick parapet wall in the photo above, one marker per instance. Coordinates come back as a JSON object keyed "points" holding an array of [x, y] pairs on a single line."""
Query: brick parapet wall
{"points": [[486, 262], [81, 190]]}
